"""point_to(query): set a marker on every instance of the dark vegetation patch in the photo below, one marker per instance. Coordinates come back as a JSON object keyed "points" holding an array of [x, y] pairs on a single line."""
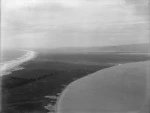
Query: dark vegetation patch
{"points": [[24, 90]]}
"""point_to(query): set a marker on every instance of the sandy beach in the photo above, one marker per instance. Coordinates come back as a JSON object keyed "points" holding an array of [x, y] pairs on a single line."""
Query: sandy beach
{"points": [[119, 89]]}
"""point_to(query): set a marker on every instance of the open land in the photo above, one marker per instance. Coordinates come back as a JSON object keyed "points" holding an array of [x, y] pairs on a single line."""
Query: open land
{"points": [[38, 86]]}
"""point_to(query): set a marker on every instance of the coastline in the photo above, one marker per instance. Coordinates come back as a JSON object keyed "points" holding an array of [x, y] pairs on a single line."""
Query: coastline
{"points": [[69, 89], [9, 66], [62, 94], [38, 86], [31, 89]]}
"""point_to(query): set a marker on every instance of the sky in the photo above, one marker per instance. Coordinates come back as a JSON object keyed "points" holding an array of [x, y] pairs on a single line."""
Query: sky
{"points": [[75, 23]]}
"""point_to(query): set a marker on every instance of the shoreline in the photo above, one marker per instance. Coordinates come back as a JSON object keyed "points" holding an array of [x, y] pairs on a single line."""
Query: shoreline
{"points": [[13, 65], [68, 87], [51, 80], [54, 108], [58, 97]]}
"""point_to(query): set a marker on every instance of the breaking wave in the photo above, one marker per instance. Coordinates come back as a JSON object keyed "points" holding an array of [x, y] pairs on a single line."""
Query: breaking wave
{"points": [[9, 66]]}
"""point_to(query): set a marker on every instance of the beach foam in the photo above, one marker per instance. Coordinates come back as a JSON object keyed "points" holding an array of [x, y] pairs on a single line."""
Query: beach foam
{"points": [[8, 67]]}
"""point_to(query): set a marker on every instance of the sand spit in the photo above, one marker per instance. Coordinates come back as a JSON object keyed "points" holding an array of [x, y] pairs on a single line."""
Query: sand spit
{"points": [[8, 67], [120, 89]]}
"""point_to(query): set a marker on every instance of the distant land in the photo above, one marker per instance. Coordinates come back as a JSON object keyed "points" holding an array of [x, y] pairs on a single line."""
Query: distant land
{"points": [[131, 48]]}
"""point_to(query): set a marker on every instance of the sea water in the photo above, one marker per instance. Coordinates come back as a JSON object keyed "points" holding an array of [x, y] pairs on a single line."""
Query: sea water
{"points": [[8, 55], [11, 59]]}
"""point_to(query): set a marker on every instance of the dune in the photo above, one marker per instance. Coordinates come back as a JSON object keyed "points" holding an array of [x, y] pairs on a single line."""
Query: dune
{"points": [[119, 89]]}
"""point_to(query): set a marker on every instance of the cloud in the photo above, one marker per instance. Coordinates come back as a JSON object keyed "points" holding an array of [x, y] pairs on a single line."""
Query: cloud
{"points": [[86, 17], [141, 6], [81, 23]]}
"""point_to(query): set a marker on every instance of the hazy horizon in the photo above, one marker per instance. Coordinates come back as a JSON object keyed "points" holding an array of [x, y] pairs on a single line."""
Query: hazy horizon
{"points": [[73, 23]]}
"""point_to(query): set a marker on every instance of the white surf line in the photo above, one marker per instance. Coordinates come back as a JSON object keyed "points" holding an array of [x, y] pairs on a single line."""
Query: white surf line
{"points": [[7, 67]]}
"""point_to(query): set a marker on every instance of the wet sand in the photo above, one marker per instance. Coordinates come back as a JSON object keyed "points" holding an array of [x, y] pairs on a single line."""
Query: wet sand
{"points": [[120, 89]]}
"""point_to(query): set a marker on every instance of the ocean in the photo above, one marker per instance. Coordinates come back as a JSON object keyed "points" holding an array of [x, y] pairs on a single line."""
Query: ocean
{"points": [[11, 59], [8, 55]]}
